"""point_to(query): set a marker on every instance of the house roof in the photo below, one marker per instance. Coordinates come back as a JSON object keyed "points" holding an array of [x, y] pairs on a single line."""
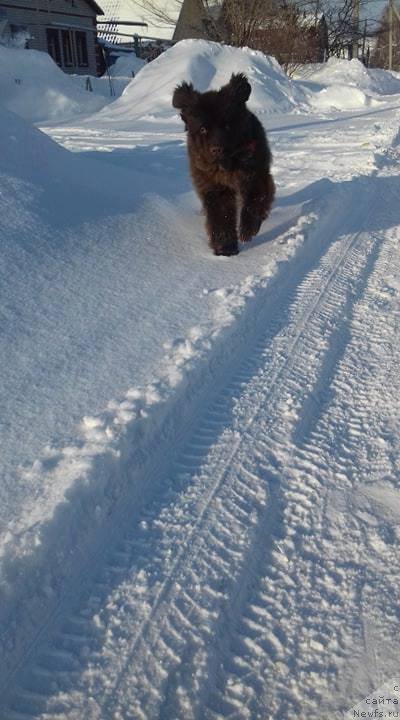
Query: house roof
{"points": [[139, 11], [95, 7]]}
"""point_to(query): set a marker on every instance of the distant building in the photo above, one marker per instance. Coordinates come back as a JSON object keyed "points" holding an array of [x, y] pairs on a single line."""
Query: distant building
{"points": [[200, 20], [66, 29]]}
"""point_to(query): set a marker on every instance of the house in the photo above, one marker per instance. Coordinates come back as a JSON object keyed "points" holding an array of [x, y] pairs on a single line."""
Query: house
{"points": [[201, 20], [66, 29]]}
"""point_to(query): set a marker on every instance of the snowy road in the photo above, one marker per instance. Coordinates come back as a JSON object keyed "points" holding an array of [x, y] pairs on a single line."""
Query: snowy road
{"points": [[256, 578], [201, 505]]}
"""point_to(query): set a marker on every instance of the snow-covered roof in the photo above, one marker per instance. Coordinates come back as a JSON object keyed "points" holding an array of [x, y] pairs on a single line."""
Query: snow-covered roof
{"points": [[117, 11]]}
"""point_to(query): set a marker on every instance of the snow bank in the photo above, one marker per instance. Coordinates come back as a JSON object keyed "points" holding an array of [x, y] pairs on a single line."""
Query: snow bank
{"points": [[354, 74], [25, 152], [55, 187], [348, 84], [32, 86], [341, 97], [125, 65], [207, 65]]}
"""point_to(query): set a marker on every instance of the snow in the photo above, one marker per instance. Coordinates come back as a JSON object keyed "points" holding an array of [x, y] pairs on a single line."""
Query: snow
{"points": [[32, 86], [199, 508], [125, 65], [345, 85], [207, 65], [354, 74]]}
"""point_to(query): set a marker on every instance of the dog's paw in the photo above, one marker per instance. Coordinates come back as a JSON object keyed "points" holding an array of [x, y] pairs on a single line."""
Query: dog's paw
{"points": [[227, 250], [245, 237], [250, 224]]}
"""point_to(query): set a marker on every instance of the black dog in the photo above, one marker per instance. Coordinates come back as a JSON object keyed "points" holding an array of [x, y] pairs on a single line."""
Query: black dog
{"points": [[229, 161]]}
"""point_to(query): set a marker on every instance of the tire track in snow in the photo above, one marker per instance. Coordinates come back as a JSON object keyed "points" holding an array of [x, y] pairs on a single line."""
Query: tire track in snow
{"points": [[328, 590], [268, 392], [141, 664]]}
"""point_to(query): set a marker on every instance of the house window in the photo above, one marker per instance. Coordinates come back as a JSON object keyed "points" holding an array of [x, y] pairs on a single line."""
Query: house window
{"points": [[81, 49], [67, 48], [53, 45]]}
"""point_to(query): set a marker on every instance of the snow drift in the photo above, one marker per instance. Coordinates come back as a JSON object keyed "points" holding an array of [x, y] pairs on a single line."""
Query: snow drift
{"points": [[126, 66], [353, 73], [347, 85], [207, 65], [32, 86]]}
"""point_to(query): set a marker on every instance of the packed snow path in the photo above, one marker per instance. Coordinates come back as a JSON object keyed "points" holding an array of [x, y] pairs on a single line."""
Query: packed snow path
{"points": [[257, 578]]}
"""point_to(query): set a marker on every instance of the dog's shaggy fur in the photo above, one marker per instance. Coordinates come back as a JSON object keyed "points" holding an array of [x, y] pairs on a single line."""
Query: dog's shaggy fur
{"points": [[229, 161]]}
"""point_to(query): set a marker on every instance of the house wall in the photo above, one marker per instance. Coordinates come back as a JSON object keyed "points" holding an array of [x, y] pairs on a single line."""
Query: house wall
{"points": [[196, 22], [39, 15]]}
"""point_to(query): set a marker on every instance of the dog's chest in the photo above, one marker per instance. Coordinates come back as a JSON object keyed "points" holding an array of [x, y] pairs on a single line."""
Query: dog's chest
{"points": [[224, 177], [211, 174]]}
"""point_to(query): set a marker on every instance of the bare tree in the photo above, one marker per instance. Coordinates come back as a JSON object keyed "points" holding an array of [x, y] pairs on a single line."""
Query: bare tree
{"points": [[294, 31], [196, 18], [340, 27], [294, 34], [243, 19], [236, 22], [346, 37]]}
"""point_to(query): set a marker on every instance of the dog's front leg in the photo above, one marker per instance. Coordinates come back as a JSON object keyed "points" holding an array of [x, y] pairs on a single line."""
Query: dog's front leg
{"points": [[220, 207], [257, 194]]}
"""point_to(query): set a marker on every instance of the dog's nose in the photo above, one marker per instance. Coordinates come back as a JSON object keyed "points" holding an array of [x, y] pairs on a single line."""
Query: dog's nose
{"points": [[216, 151]]}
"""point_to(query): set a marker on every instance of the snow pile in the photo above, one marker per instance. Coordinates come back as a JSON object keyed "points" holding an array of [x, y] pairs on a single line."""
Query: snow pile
{"points": [[207, 65], [41, 180], [17, 40], [341, 97], [27, 153], [346, 85], [125, 65], [32, 86], [354, 74]]}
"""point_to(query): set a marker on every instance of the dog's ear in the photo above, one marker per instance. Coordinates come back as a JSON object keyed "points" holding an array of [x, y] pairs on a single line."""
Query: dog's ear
{"points": [[239, 87], [184, 96]]}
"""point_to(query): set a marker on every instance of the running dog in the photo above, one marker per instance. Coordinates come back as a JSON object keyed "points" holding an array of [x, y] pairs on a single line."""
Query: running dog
{"points": [[229, 159]]}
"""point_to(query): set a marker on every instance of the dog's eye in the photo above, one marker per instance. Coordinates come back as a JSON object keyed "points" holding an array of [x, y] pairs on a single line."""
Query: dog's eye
{"points": [[203, 130]]}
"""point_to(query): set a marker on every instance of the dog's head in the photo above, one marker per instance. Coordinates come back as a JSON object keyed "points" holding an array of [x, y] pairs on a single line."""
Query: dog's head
{"points": [[215, 120]]}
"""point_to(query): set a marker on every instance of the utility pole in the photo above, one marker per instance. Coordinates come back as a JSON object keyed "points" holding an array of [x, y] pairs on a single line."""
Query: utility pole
{"points": [[355, 16]]}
